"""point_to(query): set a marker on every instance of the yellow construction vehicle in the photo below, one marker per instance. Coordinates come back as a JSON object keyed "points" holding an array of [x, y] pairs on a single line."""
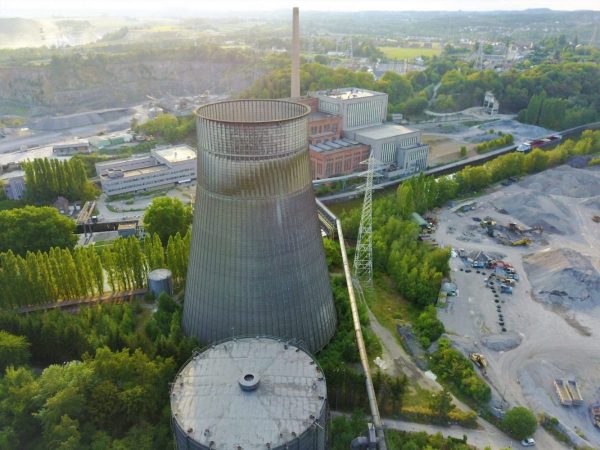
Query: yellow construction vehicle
{"points": [[520, 242], [478, 359]]}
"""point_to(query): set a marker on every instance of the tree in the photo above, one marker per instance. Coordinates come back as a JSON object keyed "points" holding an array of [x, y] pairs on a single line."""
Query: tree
{"points": [[519, 422], [166, 217], [463, 151], [441, 404], [14, 350], [35, 229]]}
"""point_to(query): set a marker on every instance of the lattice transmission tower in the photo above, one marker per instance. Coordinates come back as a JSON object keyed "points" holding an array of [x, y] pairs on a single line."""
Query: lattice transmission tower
{"points": [[363, 257]]}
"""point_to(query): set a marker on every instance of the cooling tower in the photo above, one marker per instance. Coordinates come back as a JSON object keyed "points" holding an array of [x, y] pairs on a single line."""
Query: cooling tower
{"points": [[251, 394], [257, 264]]}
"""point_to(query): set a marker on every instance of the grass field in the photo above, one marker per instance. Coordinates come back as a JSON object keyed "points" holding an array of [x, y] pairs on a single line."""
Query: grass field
{"points": [[408, 53]]}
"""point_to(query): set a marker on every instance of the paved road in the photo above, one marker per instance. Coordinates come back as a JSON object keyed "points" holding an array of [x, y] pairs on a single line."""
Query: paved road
{"points": [[487, 435]]}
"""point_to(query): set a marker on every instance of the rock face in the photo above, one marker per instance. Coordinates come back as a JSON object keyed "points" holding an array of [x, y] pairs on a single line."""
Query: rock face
{"points": [[563, 276], [79, 85]]}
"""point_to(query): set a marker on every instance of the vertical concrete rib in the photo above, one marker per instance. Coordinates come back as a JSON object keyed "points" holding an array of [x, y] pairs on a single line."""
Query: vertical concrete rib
{"points": [[257, 263]]}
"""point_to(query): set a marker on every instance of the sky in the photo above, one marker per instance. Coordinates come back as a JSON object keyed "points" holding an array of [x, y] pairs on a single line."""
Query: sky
{"points": [[41, 8]]}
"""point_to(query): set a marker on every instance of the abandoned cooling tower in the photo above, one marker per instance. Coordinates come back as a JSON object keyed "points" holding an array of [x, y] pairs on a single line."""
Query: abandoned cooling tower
{"points": [[251, 394], [257, 264]]}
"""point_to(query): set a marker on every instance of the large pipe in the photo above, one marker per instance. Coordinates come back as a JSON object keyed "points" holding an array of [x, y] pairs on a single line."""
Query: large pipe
{"points": [[296, 54], [362, 350]]}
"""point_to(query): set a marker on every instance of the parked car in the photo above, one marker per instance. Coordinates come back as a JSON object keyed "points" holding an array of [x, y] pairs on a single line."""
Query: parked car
{"points": [[529, 442]]}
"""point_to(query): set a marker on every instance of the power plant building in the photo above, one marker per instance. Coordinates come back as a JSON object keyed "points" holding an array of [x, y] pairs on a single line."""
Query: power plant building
{"points": [[362, 114], [257, 264], [251, 394], [357, 107]]}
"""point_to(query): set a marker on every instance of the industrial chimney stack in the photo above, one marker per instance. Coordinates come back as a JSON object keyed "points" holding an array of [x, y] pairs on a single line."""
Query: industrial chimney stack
{"points": [[296, 54]]}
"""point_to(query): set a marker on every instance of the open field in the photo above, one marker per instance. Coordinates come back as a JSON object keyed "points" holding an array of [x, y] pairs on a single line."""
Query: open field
{"points": [[445, 149], [552, 318], [408, 53]]}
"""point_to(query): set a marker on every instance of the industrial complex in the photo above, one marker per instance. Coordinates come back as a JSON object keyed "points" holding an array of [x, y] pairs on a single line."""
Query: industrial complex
{"points": [[347, 125], [162, 167]]}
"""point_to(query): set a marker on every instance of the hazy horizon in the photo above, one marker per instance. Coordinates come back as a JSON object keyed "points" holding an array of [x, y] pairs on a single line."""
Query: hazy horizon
{"points": [[179, 8]]}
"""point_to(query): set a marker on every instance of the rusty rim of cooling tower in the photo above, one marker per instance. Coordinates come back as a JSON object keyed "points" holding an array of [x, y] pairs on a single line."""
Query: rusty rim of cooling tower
{"points": [[204, 112]]}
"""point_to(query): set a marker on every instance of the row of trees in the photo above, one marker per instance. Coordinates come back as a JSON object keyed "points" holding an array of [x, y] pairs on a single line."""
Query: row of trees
{"points": [[46, 179], [64, 274], [499, 142], [111, 390]]}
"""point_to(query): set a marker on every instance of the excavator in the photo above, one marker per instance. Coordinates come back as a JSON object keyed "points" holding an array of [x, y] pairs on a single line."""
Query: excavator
{"points": [[479, 360]]}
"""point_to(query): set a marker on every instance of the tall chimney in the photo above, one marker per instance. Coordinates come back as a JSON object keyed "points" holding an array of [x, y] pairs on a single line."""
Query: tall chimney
{"points": [[296, 54]]}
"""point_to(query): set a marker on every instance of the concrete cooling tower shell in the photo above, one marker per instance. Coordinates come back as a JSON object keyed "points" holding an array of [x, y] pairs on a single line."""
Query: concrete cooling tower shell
{"points": [[250, 394], [257, 264]]}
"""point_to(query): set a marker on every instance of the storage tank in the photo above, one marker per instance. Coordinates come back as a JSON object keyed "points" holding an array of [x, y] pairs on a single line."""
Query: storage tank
{"points": [[159, 281], [257, 264], [250, 393]]}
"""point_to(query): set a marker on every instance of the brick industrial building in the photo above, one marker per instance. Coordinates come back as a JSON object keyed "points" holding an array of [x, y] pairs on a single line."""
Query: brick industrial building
{"points": [[347, 124]]}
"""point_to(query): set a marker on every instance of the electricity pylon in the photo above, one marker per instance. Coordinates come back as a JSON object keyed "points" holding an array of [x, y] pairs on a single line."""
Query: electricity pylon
{"points": [[363, 257]]}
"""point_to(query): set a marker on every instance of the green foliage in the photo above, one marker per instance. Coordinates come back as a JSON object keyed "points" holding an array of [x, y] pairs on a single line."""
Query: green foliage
{"points": [[35, 229], [14, 350], [441, 404], [594, 162], [46, 179], [333, 254], [345, 385], [344, 430], [463, 151], [428, 327], [166, 217], [63, 274], [456, 370], [519, 422], [405, 440], [499, 142], [57, 336], [172, 129], [116, 398]]}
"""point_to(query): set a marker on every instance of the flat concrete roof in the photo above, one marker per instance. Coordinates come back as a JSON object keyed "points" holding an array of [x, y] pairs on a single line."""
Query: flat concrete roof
{"points": [[318, 115], [135, 172], [349, 93], [212, 397], [384, 131], [333, 145], [177, 153]]}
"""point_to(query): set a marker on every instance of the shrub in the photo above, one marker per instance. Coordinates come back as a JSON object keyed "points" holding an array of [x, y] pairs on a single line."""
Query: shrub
{"points": [[519, 422]]}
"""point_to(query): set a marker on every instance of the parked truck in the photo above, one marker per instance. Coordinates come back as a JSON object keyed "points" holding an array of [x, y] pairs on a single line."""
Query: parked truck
{"points": [[527, 146], [563, 393], [573, 389]]}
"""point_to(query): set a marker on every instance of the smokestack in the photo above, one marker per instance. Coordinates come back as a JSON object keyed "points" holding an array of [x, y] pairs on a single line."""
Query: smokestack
{"points": [[296, 54]]}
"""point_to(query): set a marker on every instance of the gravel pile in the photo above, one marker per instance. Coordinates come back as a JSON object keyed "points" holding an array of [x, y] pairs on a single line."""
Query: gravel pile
{"points": [[536, 209], [563, 276], [565, 181]]}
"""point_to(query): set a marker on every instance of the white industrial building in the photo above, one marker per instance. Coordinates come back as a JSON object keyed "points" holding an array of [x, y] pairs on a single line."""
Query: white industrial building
{"points": [[358, 107], [396, 146], [363, 114], [162, 167]]}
